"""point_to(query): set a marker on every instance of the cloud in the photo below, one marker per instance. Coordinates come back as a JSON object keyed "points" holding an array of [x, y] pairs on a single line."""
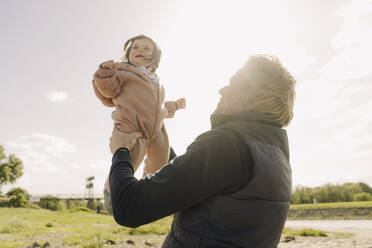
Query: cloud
{"points": [[46, 144], [318, 99], [353, 43], [56, 96], [331, 132], [346, 123], [39, 152], [51, 167]]}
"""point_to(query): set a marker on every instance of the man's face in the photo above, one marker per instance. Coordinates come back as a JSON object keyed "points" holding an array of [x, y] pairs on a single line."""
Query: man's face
{"points": [[141, 53], [231, 94], [225, 93]]}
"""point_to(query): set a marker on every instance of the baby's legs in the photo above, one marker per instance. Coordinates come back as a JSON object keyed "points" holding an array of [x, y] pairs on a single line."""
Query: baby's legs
{"points": [[139, 150], [137, 154], [157, 153]]}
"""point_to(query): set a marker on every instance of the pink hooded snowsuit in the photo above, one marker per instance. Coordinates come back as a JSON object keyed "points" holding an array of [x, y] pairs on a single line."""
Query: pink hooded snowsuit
{"points": [[138, 104]]}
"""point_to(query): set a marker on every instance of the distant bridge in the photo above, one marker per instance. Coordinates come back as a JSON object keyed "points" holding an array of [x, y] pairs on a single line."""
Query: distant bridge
{"points": [[36, 198]]}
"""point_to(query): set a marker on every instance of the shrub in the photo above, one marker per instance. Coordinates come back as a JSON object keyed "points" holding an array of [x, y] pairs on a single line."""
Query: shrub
{"points": [[18, 191], [18, 201], [80, 209], [331, 193], [52, 203], [4, 202], [362, 197], [311, 232], [75, 203], [98, 203], [304, 232], [33, 205]]}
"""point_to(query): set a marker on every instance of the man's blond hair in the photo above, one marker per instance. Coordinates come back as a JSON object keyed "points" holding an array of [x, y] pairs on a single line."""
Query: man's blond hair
{"points": [[270, 88]]}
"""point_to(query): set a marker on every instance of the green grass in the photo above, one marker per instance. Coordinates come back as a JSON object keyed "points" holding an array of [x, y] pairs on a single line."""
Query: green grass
{"points": [[305, 232], [80, 209], [333, 205], [20, 227], [79, 227], [11, 244], [85, 240]]}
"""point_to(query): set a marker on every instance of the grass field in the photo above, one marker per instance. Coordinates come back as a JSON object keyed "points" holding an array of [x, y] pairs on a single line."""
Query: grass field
{"points": [[333, 205], [22, 227]]}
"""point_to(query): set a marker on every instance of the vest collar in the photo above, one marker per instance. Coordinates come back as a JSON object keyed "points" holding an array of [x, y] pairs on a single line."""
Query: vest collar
{"points": [[221, 119]]}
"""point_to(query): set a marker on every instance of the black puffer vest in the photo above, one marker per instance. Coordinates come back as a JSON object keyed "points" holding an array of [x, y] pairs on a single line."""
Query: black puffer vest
{"points": [[255, 215]]}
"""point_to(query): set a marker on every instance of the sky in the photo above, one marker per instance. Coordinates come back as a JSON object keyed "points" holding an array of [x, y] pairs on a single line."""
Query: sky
{"points": [[51, 119]]}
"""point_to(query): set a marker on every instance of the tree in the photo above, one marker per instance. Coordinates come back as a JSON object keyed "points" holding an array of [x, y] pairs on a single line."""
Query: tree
{"points": [[89, 187], [18, 201], [2, 154], [362, 197], [18, 191], [365, 187], [332, 193], [52, 203], [11, 169]]}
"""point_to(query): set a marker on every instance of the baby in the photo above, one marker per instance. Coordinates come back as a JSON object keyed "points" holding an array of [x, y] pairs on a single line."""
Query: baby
{"points": [[133, 88]]}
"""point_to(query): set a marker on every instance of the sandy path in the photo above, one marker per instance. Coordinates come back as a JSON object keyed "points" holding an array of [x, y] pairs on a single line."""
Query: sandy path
{"points": [[359, 238], [327, 242]]}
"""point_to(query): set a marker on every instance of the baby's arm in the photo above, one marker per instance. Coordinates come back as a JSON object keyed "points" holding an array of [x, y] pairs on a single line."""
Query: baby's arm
{"points": [[173, 106], [106, 83]]}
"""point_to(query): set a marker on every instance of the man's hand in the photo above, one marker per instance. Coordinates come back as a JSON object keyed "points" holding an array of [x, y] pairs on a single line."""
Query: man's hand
{"points": [[120, 139]]}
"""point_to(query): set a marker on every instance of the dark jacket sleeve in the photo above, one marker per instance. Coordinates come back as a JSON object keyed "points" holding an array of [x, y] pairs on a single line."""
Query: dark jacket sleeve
{"points": [[215, 162]]}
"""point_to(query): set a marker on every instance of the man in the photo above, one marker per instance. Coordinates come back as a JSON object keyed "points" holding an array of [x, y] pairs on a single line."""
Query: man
{"points": [[232, 186]]}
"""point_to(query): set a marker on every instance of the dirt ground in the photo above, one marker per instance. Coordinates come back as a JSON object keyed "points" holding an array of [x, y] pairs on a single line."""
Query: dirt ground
{"points": [[337, 238], [358, 238]]}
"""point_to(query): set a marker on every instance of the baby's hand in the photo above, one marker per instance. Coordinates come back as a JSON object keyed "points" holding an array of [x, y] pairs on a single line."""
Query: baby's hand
{"points": [[181, 103], [109, 65], [173, 106]]}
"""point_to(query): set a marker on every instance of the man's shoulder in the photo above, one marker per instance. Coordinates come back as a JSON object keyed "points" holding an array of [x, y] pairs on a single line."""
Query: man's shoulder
{"points": [[221, 136], [214, 132], [220, 143]]}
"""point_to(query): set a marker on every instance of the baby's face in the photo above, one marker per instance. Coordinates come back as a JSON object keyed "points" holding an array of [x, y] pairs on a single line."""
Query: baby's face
{"points": [[141, 53]]}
